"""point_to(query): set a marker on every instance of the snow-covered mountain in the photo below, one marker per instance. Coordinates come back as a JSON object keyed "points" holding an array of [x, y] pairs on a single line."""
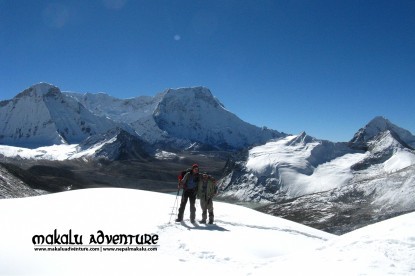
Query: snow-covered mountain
{"points": [[324, 184], [297, 165], [289, 167], [194, 114], [116, 144], [242, 242], [42, 116], [179, 117], [377, 125], [176, 119]]}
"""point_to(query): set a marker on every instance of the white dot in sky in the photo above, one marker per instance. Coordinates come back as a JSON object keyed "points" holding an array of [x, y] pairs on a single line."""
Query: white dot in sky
{"points": [[177, 37]]}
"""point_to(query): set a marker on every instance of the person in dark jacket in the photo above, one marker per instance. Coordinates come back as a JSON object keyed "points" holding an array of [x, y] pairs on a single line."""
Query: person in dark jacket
{"points": [[189, 184]]}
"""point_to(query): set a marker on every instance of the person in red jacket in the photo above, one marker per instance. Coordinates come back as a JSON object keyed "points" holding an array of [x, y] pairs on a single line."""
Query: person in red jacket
{"points": [[189, 184]]}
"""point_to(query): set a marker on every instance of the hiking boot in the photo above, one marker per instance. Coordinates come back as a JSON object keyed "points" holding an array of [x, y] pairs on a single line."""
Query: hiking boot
{"points": [[202, 221], [192, 221], [211, 216], [178, 220]]}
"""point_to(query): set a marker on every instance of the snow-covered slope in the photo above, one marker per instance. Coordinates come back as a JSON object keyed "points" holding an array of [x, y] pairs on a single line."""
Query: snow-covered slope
{"points": [[115, 144], [385, 248], [242, 242], [42, 116], [289, 167], [371, 195]]}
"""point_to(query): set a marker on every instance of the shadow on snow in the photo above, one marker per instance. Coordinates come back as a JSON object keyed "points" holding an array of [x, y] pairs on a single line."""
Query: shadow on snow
{"points": [[209, 227]]}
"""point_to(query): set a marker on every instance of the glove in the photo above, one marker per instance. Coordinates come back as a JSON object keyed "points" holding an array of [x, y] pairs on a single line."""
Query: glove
{"points": [[180, 185]]}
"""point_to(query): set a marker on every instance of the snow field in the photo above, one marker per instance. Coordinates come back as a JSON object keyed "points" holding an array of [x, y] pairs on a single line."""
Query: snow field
{"points": [[242, 242]]}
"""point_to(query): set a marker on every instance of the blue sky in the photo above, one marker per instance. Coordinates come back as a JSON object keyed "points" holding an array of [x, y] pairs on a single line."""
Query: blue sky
{"points": [[325, 67]]}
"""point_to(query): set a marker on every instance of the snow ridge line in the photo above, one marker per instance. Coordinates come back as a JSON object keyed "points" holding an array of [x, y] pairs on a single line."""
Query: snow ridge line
{"points": [[272, 228]]}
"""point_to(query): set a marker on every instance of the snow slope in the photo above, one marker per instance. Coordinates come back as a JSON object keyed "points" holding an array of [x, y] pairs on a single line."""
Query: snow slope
{"points": [[291, 166], [55, 152], [242, 239], [113, 145], [243, 242], [385, 248], [296, 168]]}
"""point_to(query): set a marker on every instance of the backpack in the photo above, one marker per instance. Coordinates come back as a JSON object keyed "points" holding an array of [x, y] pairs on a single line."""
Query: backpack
{"points": [[183, 173]]}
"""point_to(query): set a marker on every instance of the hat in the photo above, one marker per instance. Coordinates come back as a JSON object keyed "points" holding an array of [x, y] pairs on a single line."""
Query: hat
{"points": [[195, 166]]}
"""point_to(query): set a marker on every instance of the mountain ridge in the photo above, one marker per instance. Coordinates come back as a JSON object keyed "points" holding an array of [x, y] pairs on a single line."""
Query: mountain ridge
{"points": [[174, 117]]}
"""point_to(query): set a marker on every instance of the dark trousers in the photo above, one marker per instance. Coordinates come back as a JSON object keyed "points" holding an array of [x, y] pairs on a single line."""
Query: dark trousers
{"points": [[191, 196]]}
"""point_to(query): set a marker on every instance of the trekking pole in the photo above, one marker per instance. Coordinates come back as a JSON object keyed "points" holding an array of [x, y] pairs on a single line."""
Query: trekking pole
{"points": [[175, 203]]}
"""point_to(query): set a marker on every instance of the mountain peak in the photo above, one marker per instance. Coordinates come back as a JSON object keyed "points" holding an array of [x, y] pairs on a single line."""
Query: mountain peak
{"points": [[42, 87], [379, 122], [200, 89], [195, 115], [39, 90], [187, 94], [302, 138], [376, 126]]}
